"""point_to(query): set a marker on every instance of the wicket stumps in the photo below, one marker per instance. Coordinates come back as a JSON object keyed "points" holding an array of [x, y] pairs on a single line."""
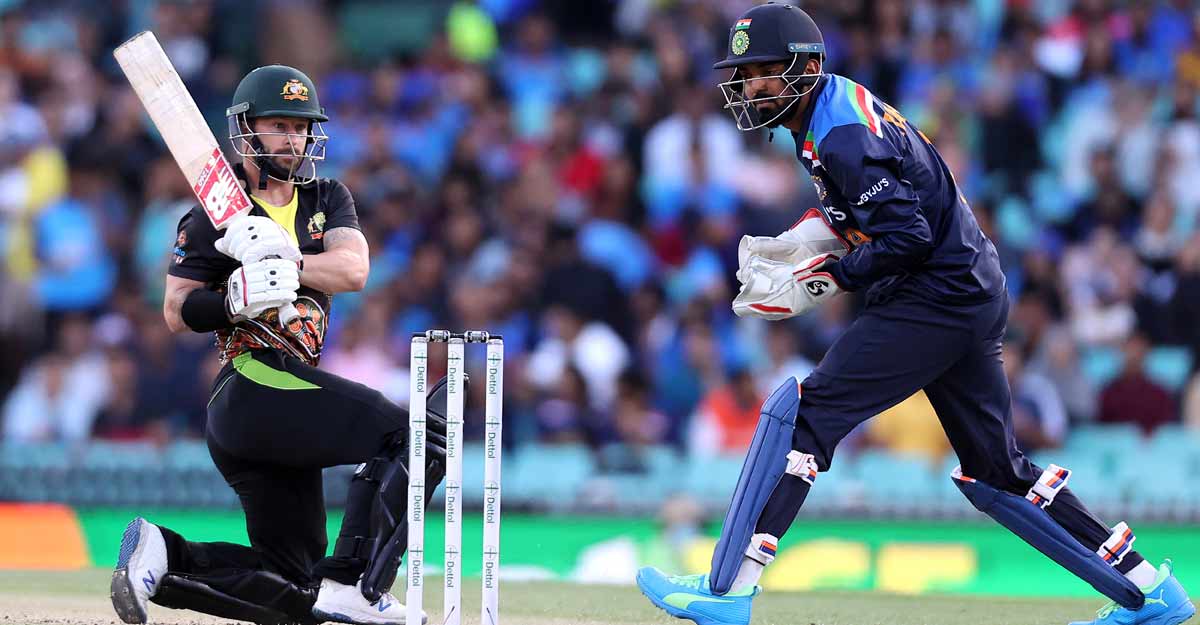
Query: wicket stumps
{"points": [[493, 417]]}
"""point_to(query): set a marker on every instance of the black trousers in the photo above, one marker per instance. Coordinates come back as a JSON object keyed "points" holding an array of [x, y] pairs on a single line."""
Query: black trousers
{"points": [[952, 351], [273, 424]]}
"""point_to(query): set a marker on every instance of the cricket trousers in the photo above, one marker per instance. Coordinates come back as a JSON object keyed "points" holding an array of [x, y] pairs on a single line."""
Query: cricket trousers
{"points": [[273, 423], [904, 344]]}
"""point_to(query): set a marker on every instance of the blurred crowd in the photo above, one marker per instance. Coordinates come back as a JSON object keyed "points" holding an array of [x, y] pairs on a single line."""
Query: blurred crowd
{"points": [[562, 173]]}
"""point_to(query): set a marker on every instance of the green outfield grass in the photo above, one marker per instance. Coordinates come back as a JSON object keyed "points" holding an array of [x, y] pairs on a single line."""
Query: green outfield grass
{"points": [[37, 598]]}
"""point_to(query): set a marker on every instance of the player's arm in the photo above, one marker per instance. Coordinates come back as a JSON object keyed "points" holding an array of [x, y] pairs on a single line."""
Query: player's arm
{"points": [[342, 267], [188, 303], [866, 170], [177, 292], [345, 263]]}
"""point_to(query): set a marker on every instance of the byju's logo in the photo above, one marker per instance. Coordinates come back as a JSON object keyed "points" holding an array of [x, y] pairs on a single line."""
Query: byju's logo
{"points": [[875, 188]]}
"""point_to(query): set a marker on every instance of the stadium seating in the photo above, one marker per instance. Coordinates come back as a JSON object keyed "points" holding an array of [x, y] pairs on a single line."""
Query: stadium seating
{"points": [[1115, 469]]}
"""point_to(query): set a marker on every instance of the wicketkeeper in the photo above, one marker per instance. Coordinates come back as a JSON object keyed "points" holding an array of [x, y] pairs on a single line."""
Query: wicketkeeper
{"points": [[274, 419], [894, 223]]}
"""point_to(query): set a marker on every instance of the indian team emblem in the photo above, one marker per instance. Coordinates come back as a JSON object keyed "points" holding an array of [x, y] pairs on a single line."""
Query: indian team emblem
{"points": [[740, 42], [294, 90]]}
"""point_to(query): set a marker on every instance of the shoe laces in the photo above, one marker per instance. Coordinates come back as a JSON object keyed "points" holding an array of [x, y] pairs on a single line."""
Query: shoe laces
{"points": [[386, 597], [1109, 608], [690, 581]]}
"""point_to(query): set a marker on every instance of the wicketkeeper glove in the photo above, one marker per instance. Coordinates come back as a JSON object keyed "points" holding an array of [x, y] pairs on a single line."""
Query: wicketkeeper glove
{"points": [[259, 286], [775, 290], [811, 236], [252, 238]]}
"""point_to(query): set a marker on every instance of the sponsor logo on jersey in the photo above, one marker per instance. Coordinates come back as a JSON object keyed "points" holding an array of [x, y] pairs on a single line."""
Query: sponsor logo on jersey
{"points": [[875, 188], [180, 243]]}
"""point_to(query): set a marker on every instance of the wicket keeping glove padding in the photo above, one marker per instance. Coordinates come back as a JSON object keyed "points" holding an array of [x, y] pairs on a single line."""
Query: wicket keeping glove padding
{"points": [[775, 290], [810, 236]]}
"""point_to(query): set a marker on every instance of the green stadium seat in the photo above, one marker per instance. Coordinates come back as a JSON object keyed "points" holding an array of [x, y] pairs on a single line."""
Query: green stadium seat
{"points": [[1169, 366], [547, 475], [104, 455], [1101, 364], [896, 483], [712, 480], [187, 454], [473, 468], [833, 491], [1108, 442]]}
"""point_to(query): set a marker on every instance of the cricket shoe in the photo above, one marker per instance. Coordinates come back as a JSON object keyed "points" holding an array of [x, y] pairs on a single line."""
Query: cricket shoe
{"points": [[141, 565], [341, 603], [1166, 603], [689, 596]]}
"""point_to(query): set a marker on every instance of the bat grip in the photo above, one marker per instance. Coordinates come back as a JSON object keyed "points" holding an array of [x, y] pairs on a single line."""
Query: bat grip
{"points": [[287, 314]]}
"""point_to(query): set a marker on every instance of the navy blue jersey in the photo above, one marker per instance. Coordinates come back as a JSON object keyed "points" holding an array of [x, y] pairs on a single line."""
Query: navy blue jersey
{"points": [[886, 189]]}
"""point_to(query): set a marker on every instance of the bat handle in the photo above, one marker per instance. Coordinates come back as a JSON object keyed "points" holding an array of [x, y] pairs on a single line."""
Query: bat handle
{"points": [[287, 314]]}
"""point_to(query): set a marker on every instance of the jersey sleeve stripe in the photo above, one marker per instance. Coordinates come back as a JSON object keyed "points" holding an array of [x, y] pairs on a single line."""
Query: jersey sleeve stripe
{"points": [[864, 105]]}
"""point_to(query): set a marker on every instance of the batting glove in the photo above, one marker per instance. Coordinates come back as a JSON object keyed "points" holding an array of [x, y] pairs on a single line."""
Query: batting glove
{"points": [[252, 238], [260, 286]]}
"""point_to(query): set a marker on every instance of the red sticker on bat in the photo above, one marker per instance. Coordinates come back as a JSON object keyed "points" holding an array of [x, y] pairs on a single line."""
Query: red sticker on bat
{"points": [[219, 191]]}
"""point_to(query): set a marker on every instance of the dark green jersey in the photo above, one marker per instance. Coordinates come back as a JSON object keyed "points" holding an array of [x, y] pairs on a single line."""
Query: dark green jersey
{"points": [[321, 205]]}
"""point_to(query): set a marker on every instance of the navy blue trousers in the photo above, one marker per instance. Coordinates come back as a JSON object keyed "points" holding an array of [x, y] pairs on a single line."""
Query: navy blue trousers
{"points": [[952, 351]]}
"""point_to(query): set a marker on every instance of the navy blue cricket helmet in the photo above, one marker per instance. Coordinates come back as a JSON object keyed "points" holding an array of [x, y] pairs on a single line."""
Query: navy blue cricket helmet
{"points": [[770, 33]]}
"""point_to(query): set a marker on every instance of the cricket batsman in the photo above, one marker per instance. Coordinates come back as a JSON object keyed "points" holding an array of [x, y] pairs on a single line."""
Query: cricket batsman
{"points": [[274, 419], [894, 223]]}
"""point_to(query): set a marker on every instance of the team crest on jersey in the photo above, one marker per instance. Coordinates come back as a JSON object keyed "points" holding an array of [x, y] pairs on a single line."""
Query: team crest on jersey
{"points": [[316, 226], [294, 90], [740, 42]]}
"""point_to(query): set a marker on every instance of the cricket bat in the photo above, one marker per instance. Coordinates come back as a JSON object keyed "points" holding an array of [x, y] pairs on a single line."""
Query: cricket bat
{"points": [[186, 134]]}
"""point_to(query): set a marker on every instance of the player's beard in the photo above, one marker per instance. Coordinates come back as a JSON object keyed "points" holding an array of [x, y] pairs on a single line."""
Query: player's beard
{"points": [[771, 111], [283, 167]]}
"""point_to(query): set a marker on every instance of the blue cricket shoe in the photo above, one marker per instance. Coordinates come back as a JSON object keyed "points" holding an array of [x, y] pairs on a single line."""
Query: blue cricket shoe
{"points": [[1167, 603], [688, 596]]}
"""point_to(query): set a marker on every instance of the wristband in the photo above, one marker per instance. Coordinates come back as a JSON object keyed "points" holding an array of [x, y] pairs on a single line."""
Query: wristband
{"points": [[204, 311]]}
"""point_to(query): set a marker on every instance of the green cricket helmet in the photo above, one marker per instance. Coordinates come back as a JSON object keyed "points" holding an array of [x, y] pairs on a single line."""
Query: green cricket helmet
{"points": [[278, 91], [771, 33]]}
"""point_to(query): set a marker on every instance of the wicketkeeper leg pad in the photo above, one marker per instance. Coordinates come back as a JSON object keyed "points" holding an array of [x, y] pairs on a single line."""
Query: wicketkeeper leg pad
{"points": [[1118, 545], [1028, 520], [767, 460], [1052, 480]]}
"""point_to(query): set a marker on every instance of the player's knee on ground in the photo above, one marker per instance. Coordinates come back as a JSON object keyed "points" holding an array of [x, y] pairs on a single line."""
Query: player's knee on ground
{"points": [[255, 589]]}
